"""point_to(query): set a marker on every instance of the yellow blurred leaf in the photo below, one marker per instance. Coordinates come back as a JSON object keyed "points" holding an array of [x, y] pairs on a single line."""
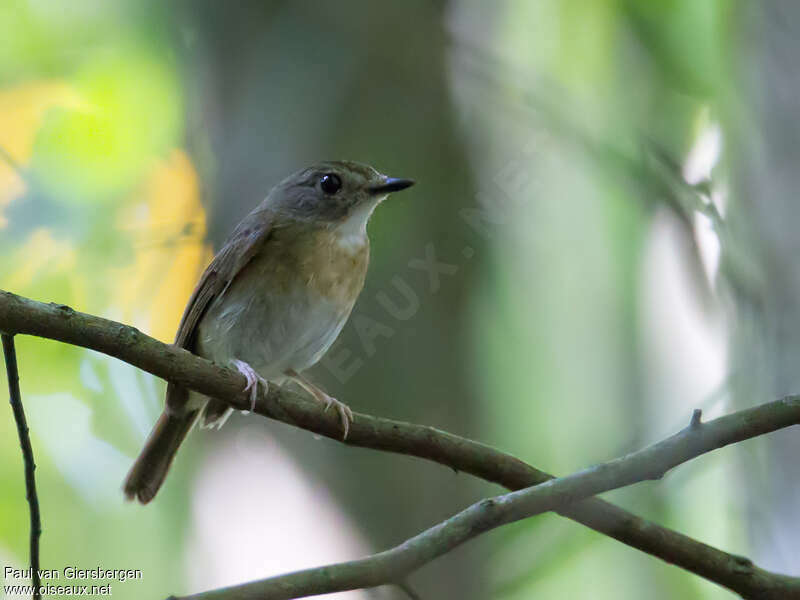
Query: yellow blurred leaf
{"points": [[168, 226], [22, 109], [41, 256]]}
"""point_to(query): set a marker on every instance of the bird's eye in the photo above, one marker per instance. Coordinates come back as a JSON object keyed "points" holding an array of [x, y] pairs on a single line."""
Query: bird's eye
{"points": [[330, 183]]}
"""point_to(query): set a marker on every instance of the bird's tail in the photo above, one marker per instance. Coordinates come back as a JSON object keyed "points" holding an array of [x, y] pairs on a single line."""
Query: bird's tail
{"points": [[150, 468]]}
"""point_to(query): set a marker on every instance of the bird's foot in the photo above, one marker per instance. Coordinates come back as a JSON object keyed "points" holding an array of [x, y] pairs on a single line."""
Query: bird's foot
{"points": [[345, 414], [253, 379]]}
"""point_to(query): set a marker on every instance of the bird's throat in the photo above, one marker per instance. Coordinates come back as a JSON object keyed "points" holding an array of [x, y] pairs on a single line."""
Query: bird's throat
{"points": [[351, 232]]}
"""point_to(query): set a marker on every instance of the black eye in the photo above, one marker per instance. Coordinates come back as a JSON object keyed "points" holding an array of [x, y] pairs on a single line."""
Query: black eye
{"points": [[330, 183]]}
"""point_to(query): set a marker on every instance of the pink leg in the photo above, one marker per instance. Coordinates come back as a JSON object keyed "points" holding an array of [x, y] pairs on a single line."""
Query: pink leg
{"points": [[253, 379], [345, 414]]}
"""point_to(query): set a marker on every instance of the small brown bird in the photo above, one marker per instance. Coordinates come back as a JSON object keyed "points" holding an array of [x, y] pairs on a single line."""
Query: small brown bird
{"points": [[273, 300]]}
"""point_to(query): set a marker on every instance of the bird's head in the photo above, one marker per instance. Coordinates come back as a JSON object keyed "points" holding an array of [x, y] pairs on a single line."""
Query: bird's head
{"points": [[334, 193]]}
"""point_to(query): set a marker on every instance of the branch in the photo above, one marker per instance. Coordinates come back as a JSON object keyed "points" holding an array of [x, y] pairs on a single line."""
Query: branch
{"points": [[27, 457], [59, 322], [651, 463], [6, 157]]}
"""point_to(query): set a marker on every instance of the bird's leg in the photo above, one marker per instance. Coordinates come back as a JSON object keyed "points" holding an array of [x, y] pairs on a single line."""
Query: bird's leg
{"points": [[253, 379], [344, 411]]}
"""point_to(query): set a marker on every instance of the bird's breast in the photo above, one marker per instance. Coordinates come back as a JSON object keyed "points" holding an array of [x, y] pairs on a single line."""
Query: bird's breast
{"points": [[288, 304], [315, 259]]}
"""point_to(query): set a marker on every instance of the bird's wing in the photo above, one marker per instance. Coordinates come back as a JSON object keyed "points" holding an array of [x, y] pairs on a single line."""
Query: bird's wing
{"points": [[244, 243]]}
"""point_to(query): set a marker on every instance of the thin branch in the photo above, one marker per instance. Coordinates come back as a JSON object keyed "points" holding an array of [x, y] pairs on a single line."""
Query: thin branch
{"points": [[27, 456], [408, 590], [650, 463], [59, 322], [6, 157], [19, 170]]}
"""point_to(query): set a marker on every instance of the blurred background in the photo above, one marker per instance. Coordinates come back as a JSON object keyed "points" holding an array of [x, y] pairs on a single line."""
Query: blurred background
{"points": [[603, 237]]}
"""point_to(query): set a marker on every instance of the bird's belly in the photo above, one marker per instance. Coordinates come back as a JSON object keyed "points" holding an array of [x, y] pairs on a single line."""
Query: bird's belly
{"points": [[273, 332]]}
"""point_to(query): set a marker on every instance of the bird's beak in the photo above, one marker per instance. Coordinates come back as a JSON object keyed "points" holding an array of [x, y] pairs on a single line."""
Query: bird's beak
{"points": [[390, 184]]}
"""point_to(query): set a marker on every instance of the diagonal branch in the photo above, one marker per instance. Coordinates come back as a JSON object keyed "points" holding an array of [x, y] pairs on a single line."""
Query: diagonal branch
{"points": [[59, 322], [650, 463], [27, 456]]}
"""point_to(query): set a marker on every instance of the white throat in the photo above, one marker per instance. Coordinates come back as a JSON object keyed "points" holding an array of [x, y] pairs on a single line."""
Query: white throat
{"points": [[352, 232]]}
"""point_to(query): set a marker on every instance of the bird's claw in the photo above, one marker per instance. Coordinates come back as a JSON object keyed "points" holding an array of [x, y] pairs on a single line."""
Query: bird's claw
{"points": [[253, 379], [344, 411], [345, 414]]}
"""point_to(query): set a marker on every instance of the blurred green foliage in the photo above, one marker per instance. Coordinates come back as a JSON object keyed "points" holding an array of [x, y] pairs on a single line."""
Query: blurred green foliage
{"points": [[531, 126]]}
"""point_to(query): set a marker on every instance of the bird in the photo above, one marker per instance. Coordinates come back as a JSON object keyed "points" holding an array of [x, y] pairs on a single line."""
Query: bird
{"points": [[272, 301]]}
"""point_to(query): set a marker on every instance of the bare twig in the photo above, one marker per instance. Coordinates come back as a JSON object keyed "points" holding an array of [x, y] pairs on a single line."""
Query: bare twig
{"points": [[408, 590], [649, 463], [27, 456], [59, 322], [6, 157]]}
